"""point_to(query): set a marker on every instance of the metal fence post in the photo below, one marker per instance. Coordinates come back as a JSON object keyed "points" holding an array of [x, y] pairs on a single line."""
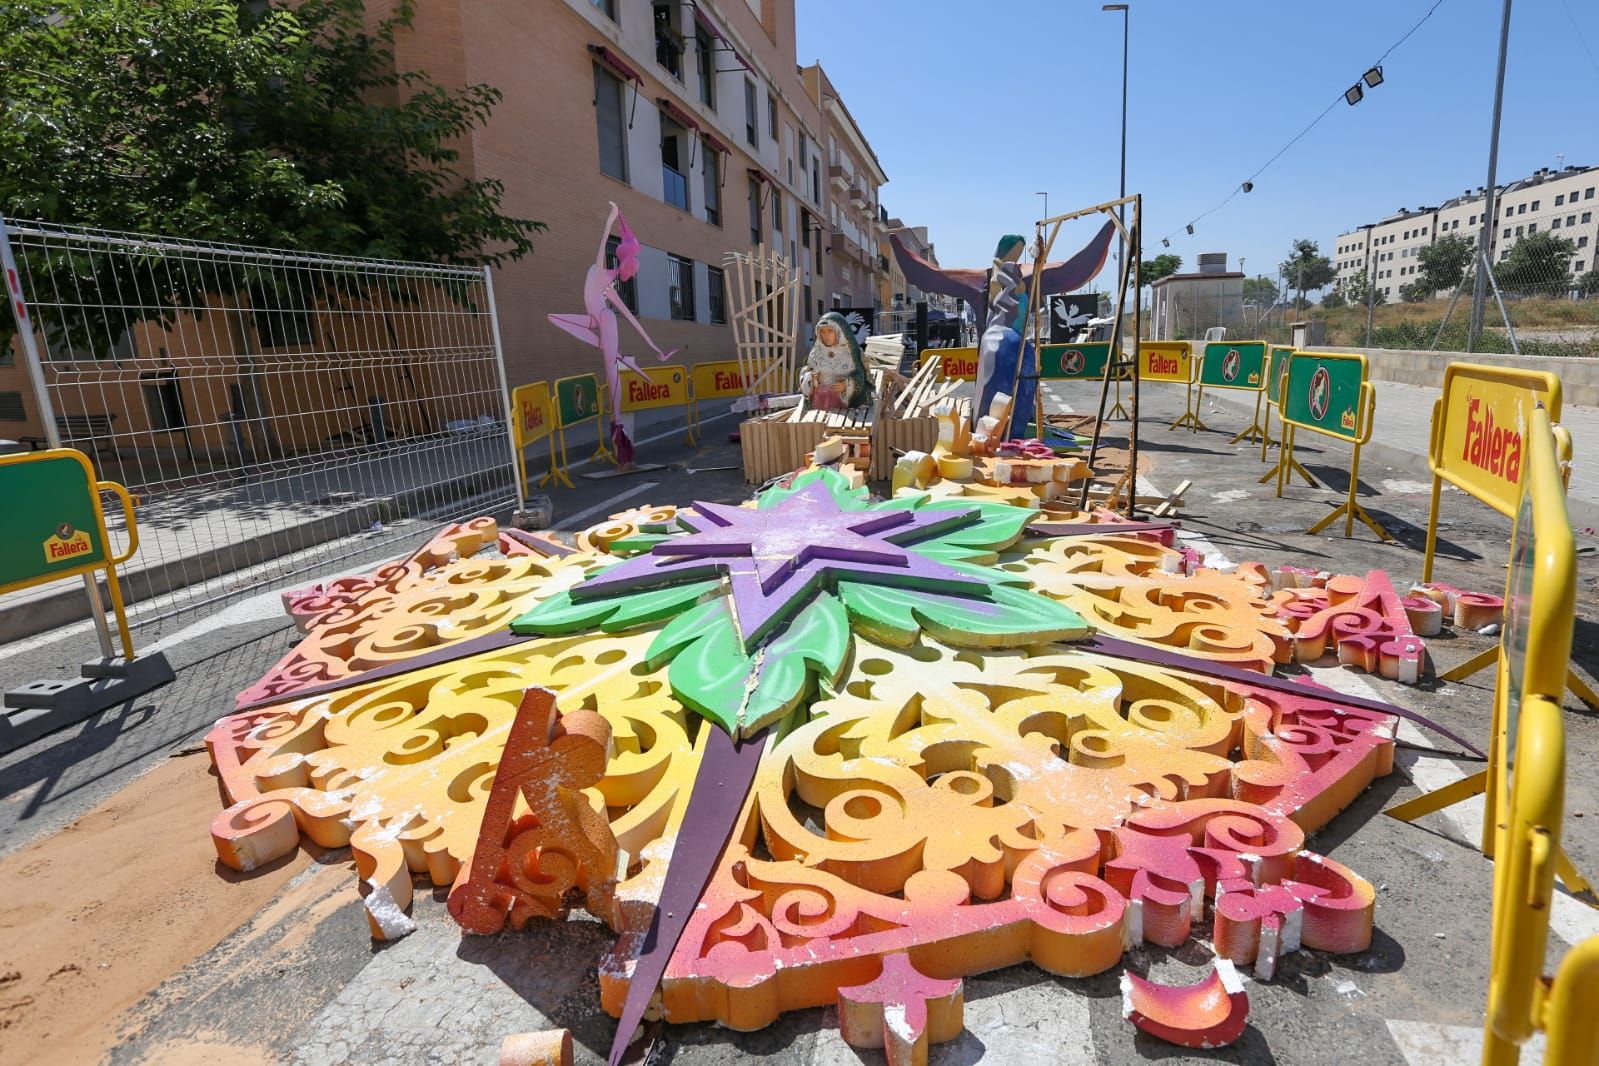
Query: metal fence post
{"points": [[505, 391], [1490, 205], [47, 414], [1510, 327]]}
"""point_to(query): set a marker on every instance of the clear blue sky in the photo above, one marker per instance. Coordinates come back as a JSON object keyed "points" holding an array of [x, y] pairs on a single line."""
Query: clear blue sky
{"points": [[972, 107]]}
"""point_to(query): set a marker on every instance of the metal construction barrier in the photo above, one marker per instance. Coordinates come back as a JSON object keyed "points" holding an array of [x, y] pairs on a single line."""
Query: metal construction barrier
{"points": [[533, 420], [55, 528], [1240, 366], [274, 412], [1527, 781], [1173, 361], [1478, 445], [661, 386], [1073, 362], [721, 380], [580, 398], [1084, 361], [1478, 428], [954, 364], [1327, 393], [1276, 371]]}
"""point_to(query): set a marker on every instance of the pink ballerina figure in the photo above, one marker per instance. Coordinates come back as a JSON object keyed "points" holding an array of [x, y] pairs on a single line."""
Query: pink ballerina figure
{"points": [[597, 325]]}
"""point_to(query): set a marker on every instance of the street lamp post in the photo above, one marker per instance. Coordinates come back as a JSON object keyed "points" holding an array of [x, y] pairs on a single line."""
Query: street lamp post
{"points": [[1045, 195], [1121, 211]]}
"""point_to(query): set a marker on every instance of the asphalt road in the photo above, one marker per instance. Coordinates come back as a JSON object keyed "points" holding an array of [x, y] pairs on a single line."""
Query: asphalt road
{"points": [[294, 988]]}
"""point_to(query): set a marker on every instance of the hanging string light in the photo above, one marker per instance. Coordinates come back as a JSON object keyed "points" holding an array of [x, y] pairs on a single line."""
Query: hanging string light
{"points": [[1372, 78]]}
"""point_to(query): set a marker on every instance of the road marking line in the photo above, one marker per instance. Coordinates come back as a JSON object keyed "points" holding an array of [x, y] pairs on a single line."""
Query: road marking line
{"points": [[1430, 1044], [603, 505]]}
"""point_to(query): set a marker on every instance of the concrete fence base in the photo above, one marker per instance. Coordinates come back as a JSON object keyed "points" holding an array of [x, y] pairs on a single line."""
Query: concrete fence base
{"points": [[1579, 378]]}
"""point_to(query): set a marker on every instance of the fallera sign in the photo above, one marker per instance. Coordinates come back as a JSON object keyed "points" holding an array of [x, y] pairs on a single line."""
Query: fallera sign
{"points": [[954, 364], [533, 418], [67, 545], [725, 378], [1481, 446], [656, 387], [1166, 361]]}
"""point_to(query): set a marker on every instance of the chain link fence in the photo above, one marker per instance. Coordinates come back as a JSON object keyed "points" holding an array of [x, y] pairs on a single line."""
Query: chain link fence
{"points": [[1539, 297], [273, 412]]}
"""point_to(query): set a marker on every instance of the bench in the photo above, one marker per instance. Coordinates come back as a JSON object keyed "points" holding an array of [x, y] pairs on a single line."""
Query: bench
{"points": [[77, 427]]}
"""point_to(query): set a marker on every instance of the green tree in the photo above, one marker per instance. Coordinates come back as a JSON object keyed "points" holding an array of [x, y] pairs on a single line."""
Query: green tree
{"points": [[279, 124], [1306, 269], [1260, 291], [1414, 293], [1334, 300], [1588, 284], [1443, 263], [1538, 263], [1358, 290], [1152, 270]]}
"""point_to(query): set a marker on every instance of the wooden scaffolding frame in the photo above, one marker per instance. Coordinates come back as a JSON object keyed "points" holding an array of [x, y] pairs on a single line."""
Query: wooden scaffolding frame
{"points": [[764, 311], [1118, 361]]}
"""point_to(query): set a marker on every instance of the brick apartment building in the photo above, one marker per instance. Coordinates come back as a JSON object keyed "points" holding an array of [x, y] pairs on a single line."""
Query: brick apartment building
{"points": [[691, 115], [694, 118]]}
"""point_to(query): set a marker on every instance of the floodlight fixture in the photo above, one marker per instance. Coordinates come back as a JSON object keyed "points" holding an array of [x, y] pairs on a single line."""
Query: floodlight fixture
{"points": [[1190, 229], [1249, 186], [1354, 94], [1372, 77], [1165, 242]]}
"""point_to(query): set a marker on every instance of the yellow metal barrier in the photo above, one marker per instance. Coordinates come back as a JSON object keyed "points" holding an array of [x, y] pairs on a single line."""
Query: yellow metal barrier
{"points": [[1242, 366], [575, 400], [954, 364], [665, 386], [1549, 632], [1327, 393], [1173, 361], [1276, 374], [533, 416], [1527, 779], [1478, 425], [1570, 1021], [1477, 445], [54, 526]]}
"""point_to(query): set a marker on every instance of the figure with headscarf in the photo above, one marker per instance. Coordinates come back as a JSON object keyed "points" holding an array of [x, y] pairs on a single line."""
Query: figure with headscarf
{"points": [[834, 377]]}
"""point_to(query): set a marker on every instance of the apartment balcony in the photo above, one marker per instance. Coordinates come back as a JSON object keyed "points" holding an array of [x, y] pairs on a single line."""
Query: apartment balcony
{"points": [[847, 246], [859, 197], [841, 178]]}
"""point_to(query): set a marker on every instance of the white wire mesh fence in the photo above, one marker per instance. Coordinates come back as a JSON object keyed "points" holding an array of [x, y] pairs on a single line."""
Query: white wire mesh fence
{"points": [[273, 412], [1539, 296]]}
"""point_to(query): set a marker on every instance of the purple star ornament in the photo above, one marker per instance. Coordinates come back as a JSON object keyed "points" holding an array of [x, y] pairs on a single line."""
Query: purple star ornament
{"points": [[775, 560]]}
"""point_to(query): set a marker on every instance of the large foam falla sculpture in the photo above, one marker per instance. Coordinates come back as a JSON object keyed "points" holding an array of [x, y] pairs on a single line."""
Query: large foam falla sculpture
{"points": [[948, 767]]}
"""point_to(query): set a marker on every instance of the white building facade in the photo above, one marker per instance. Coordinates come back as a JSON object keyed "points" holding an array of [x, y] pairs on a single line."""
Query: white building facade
{"points": [[1563, 202]]}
